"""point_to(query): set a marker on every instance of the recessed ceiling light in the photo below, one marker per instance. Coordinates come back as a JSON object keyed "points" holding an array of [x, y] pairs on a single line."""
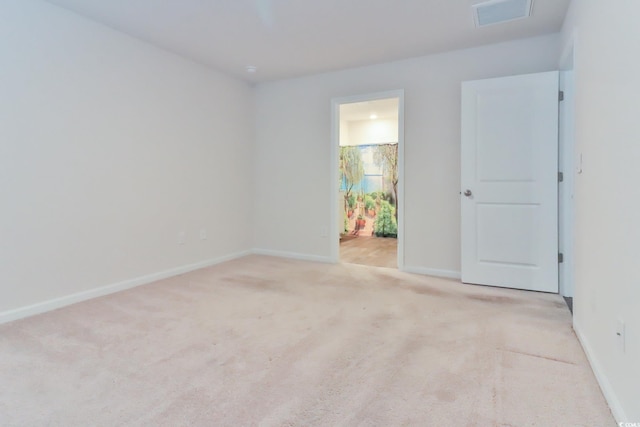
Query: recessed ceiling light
{"points": [[251, 68], [373, 117]]}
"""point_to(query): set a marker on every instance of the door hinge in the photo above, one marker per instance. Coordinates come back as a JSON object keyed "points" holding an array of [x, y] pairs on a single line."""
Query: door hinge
{"points": [[560, 177], [561, 95], [560, 258]]}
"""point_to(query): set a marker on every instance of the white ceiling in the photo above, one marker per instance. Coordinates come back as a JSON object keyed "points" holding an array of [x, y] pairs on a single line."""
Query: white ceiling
{"points": [[289, 38], [382, 108]]}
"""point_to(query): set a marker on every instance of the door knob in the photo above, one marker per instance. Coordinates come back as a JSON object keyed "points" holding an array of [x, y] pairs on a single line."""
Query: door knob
{"points": [[468, 193]]}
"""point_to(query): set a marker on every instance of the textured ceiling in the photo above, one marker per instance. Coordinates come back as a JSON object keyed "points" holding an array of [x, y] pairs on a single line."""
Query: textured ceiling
{"points": [[289, 38]]}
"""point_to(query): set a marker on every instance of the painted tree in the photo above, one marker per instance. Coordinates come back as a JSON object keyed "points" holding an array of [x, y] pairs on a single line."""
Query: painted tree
{"points": [[351, 169], [386, 155], [385, 224]]}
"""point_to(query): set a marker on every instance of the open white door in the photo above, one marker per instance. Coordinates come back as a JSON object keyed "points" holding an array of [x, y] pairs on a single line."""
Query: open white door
{"points": [[509, 182]]}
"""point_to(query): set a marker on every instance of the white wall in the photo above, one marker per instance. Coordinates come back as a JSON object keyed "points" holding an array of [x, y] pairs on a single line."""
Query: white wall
{"points": [[344, 132], [294, 124], [108, 148], [366, 132], [607, 287]]}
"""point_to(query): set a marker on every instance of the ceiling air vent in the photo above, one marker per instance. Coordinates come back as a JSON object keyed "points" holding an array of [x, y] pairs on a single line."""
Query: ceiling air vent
{"points": [[498, 11]]}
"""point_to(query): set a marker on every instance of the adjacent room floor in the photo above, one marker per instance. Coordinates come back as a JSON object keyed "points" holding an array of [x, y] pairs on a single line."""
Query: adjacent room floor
{"points": [[273, 342], [370, 250]]}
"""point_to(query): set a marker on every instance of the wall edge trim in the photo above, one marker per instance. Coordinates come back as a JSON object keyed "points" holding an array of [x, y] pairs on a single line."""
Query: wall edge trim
{"points": [[605, 386], [293, 255], [59, 302], [448, 274]]}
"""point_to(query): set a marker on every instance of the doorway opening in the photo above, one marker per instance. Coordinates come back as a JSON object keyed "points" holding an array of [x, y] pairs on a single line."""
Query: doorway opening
{"points": [[368, 150]]}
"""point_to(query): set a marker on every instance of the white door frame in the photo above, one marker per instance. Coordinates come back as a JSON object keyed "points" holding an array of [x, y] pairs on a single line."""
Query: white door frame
{"points": [[567, 165], [334, 228]]}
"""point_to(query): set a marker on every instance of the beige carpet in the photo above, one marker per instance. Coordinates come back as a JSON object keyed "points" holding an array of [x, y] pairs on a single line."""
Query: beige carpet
{"points": [[271, 342]]}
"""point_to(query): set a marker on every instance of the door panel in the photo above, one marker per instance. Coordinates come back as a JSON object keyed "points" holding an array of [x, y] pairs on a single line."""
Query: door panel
{"points": [[509, 165]]}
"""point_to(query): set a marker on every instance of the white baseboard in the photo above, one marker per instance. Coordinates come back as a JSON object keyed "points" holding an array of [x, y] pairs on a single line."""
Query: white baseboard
{"points": [[293, 255], [42, 307], [607, 390], [448, 274]]}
